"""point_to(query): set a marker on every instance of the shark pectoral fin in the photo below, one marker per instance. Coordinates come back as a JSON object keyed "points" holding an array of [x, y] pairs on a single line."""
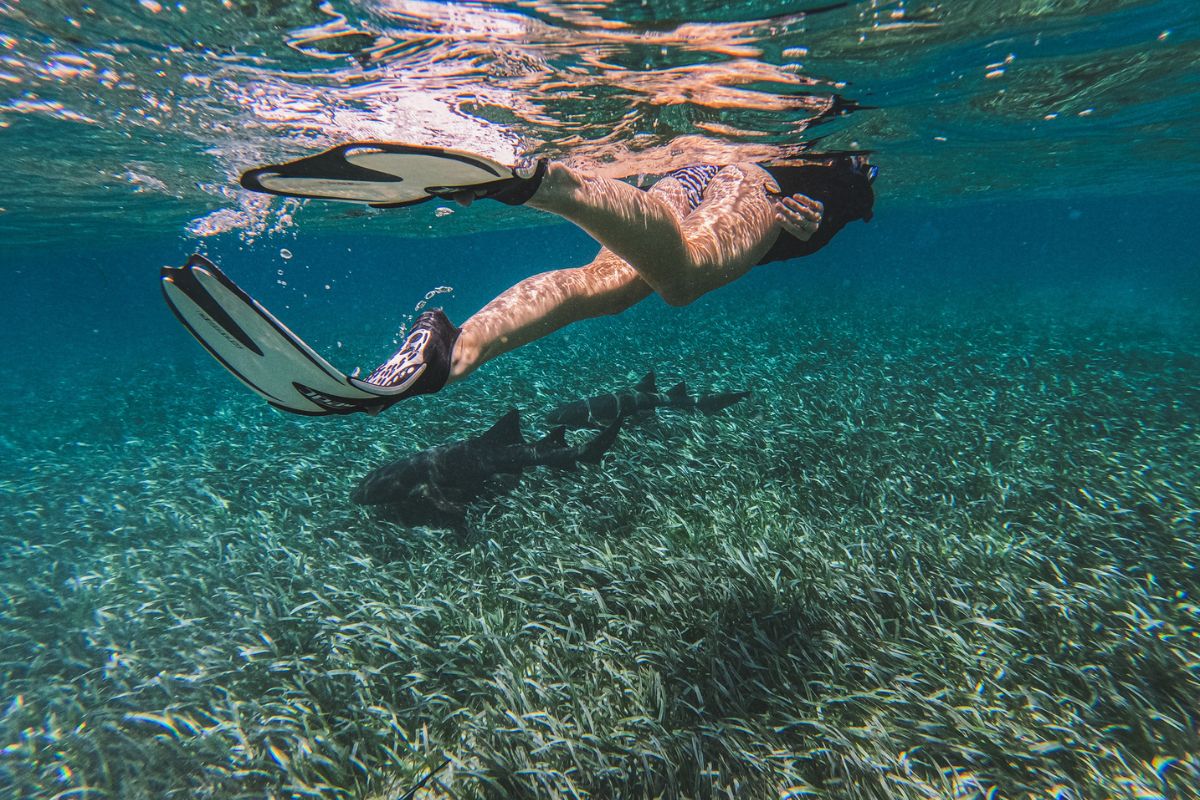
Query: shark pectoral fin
{"points": [[435, 513], [508, 482], [437, 496], [450, 508], [425, 491], [439, 503]]}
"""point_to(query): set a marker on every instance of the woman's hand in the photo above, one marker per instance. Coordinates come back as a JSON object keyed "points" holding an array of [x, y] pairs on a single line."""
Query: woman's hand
{"points": [[799, 215]]}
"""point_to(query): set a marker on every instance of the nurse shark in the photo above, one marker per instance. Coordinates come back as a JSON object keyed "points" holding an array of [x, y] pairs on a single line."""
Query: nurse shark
{"points": [[435, 485], [643, 397]]}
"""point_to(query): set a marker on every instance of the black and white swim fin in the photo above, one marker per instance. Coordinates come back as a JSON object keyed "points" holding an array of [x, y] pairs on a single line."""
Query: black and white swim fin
{"points": [[389, 175], [259, 349]]}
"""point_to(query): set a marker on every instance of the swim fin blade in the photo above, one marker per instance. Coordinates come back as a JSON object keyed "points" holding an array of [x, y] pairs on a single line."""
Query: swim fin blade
{"points": [[380, 174], [258, 349]]}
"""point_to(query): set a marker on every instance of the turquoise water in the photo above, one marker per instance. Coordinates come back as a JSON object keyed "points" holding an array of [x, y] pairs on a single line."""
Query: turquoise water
{"points": [[948, 548]]}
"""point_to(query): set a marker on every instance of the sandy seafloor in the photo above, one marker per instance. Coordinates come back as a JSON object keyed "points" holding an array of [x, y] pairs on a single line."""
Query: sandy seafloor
{"points": [[948, 548]]}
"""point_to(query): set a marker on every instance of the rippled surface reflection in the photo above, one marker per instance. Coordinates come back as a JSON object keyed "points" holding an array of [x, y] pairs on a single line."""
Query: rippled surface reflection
{"points": [[118, 116]]}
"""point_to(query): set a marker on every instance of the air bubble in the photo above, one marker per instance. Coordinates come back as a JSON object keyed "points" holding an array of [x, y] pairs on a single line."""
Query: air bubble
{"points": [[284, 253], [432, 293]]}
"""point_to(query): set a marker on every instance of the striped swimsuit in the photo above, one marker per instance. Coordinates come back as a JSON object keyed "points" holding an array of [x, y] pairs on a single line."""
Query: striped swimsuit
{"points": [[695, 179]]}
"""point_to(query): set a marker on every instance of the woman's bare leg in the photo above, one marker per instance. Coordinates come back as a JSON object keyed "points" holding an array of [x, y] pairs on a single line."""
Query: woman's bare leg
{"points": [[680, 258], [651, 243], [543, 303], [540, 305]]}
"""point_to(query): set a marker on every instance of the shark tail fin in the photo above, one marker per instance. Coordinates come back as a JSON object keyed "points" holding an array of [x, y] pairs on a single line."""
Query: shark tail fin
{"points": [[507, 430], [647, 384], [594, 450], [557, 437], [710, 404], [678, 392]]}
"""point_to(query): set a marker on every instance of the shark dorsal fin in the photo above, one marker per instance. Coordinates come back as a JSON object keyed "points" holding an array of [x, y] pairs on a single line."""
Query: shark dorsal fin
{"points": [[678, 391], [507, 430], [556, 437], [647, 384]]}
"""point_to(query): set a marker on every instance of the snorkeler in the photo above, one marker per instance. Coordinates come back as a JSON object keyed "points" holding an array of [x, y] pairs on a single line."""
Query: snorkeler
{"points": [[695, 230]]}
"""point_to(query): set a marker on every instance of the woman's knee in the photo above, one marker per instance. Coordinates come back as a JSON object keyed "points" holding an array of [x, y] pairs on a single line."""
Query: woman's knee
{"points": [[609, 286], [680, 294], [620, 298]]}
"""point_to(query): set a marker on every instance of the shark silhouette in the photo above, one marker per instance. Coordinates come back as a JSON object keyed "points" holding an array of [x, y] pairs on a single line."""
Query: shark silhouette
{"points": [[437, 483], [603, 409]]}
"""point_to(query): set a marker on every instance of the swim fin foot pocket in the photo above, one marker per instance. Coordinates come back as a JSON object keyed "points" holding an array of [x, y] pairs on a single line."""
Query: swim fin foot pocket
{"points": [[264, 354], [514, 191], [422, 364], [392, 174]]}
